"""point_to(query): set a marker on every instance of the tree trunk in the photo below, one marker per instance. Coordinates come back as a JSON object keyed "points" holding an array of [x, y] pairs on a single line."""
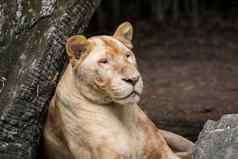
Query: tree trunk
{"points": [[158, 10], [32, 37], [176, 10], [195, 12]]}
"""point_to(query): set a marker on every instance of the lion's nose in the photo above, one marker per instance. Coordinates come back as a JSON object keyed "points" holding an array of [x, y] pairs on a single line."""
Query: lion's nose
{"points": [[131, 80]]}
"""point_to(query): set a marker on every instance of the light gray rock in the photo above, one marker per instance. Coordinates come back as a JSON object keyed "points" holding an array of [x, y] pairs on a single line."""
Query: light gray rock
{"points": [[218, 140]]}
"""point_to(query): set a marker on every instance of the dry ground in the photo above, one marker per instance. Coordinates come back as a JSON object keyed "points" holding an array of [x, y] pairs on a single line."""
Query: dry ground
{"points": [[190, 75]]}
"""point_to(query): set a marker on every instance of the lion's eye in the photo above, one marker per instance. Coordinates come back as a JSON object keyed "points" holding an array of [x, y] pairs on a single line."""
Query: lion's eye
{"points": [[103, 61], [128, 55]]}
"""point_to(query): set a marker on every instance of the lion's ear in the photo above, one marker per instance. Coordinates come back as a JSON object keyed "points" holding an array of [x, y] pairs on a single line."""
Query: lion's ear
{"points": [[124, 33], [76, 45]]}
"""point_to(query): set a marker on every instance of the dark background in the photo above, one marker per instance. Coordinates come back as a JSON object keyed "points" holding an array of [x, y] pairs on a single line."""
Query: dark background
{"points": [[187, 53]]}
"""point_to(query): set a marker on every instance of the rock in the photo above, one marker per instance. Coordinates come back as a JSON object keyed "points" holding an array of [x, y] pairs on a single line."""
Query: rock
{"points": [[218, 140]]}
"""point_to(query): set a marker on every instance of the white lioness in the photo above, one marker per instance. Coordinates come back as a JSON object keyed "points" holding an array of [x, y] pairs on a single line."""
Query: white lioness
{"points": [[94, 112]]}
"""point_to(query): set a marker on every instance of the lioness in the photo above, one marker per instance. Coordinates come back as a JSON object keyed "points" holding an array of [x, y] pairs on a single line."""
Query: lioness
{"points": [[94, 112]]}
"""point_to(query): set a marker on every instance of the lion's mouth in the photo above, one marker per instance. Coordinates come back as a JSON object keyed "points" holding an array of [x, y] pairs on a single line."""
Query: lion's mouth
{"points": [[133, 93]]}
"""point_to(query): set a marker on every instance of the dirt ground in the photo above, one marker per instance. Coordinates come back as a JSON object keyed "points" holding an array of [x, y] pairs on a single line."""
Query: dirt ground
{"points": [[190, 75]]}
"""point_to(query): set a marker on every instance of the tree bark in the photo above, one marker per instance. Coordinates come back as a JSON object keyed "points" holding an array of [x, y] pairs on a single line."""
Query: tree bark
{"points": [[32, 37]]}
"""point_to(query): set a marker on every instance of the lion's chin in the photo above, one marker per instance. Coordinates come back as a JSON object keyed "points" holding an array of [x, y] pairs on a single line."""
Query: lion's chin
{"points": [[132, 99]]}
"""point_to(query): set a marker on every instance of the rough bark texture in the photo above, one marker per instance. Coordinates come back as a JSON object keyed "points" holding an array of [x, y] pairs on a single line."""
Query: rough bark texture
{"points": [[32, 37], [218, 140]]}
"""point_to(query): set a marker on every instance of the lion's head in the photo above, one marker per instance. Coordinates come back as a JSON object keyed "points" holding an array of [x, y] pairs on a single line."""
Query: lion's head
{"points": [[104, 67]]}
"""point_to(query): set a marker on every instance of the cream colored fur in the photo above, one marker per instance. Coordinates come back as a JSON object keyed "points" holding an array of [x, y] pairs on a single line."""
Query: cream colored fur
{"points": [[94, 112]]}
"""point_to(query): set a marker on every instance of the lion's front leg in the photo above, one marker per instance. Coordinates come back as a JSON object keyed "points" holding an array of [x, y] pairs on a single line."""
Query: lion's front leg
{"points": [[107, 153], [180, 145], [94, 151]]}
